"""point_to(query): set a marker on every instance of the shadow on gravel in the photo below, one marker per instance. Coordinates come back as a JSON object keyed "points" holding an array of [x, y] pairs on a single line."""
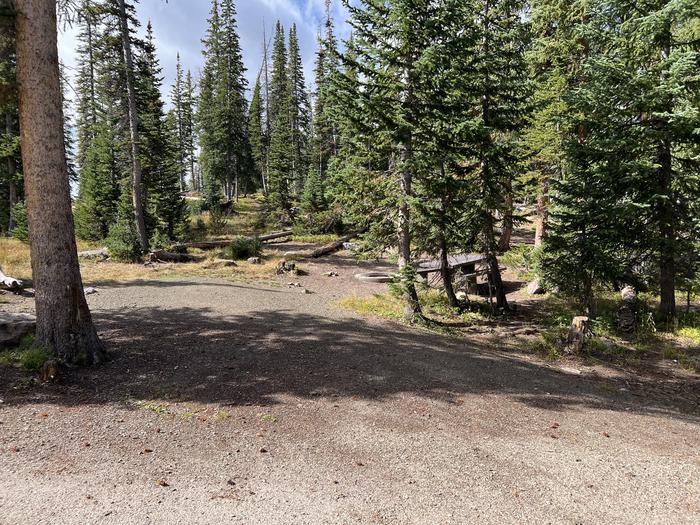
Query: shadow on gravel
{"points": [[193, 354]]}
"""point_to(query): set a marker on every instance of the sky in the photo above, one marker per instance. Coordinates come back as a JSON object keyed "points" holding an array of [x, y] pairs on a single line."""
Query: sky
{"points": [[179, 26]]}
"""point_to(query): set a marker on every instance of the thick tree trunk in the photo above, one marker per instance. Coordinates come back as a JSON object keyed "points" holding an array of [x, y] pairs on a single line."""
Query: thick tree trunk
{"points": [[64, 324], [495, 278], [542, 213], [136, 173]]}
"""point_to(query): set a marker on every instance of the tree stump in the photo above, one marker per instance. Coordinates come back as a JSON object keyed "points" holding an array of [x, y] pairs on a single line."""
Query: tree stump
{"points": [[579, 332]]}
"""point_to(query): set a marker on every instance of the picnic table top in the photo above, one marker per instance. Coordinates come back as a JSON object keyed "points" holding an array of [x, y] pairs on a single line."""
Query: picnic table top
{"points": [[453, 262]]}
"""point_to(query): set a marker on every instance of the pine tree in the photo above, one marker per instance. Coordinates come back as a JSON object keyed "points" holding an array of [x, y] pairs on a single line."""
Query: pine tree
{"points": [[324, 141], [256, 132], [177, 99], [188, 130], [632, 181], [161, 147], [223, 108], [300, 114], [10, 163], [281, 151]]}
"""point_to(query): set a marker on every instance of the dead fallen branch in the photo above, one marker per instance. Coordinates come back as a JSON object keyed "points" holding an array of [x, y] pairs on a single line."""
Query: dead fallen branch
{"points": [[12, 284], [100, 253], [163, 256], [320, 252], [222, 243]]}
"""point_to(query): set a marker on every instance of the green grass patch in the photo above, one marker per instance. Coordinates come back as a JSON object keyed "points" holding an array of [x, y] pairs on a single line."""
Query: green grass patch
{"points": [[521, 258], [25, 356], [321, 238]]}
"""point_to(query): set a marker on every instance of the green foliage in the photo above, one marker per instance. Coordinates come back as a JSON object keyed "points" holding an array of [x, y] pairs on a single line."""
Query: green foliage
{"points": [[122, 241], [26, 356], [21, 227], [243, 248]]}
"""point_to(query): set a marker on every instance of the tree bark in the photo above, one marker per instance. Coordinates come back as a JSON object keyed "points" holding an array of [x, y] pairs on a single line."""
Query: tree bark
{"points": [[507, 233], [542, 213], [445, 271], [667, 259], [137, 176], [64, 323]]}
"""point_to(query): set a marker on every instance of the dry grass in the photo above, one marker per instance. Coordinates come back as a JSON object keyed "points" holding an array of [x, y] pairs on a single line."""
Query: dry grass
{"points": [[15, 261]]}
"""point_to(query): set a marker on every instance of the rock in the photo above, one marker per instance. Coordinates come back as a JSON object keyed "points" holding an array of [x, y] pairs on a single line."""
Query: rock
{"points": [[90, 290], [254, 260], [221, 263], [461, 296], [13, 327], [307, 292], [350, 246], [332, 274], [535, 287], [284, 267]]}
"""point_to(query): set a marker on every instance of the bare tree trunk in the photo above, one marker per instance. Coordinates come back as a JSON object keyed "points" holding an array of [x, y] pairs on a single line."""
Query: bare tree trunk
{"points": [[667, 260], [444, 252], [411, 303], [507, 233], [542, 212], [495, 278], [64, 324], [137, 177]]}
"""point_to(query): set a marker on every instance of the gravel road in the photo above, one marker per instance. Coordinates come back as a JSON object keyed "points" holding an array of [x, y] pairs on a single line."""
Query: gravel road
{"points": [[235, 403]]}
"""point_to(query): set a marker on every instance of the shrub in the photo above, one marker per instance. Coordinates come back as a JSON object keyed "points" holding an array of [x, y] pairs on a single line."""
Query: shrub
{"points": [[160, 241], [217, 222], [243, 248], [123, 242], [25, 356], [21, 227]]}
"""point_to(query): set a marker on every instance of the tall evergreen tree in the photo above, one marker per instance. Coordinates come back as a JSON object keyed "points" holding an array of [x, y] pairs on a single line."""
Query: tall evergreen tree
{"points": [[632, 183], [177, 99], [256, 131], [300, 114], [281, 149]]}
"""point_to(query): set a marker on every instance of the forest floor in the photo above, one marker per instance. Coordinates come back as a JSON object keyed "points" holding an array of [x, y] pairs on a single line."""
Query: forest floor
{"points": [[256, 398]]}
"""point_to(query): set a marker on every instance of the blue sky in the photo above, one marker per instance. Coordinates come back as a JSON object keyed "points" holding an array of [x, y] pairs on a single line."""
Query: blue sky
{"points": [[179, 25]]}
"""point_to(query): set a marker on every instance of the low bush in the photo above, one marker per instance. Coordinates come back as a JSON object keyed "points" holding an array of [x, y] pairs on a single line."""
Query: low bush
{"points": [[243, 248]]}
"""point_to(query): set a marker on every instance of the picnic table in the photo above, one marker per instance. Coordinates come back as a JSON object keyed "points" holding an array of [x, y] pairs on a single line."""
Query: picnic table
{"points": [[467, 263]]}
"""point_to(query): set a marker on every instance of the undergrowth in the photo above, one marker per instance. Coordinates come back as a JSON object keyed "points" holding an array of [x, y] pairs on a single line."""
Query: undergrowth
{"points": [[25, 356]]}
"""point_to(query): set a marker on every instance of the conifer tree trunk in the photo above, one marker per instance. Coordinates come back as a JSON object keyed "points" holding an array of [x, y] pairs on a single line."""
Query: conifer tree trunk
{"points": [[64, 324], [137, 177], [667, 263], [444, 251], [507, 233], [541, 212], [412, 305]]}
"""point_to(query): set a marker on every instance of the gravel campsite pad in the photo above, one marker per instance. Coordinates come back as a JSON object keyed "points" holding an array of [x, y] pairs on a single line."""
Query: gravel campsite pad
{"points": [[237, 403]]}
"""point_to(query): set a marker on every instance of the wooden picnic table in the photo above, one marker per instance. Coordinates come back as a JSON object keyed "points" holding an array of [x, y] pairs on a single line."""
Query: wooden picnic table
{"points": [[466, 263]]}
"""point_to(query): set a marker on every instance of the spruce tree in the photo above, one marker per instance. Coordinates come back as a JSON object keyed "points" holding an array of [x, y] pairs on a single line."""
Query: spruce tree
{"points": [[628, 200], [281, 150], [300, 114], [256, 132], [177, 100]]}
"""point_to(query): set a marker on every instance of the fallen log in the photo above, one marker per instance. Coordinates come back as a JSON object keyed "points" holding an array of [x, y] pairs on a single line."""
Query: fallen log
{"points": [[101, 253], [222, 243], [320, 252], [12, 284], [163, 256]]}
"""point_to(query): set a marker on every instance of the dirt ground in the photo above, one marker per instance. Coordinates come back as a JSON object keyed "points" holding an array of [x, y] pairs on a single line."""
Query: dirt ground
{"points": [[238, 403]]}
